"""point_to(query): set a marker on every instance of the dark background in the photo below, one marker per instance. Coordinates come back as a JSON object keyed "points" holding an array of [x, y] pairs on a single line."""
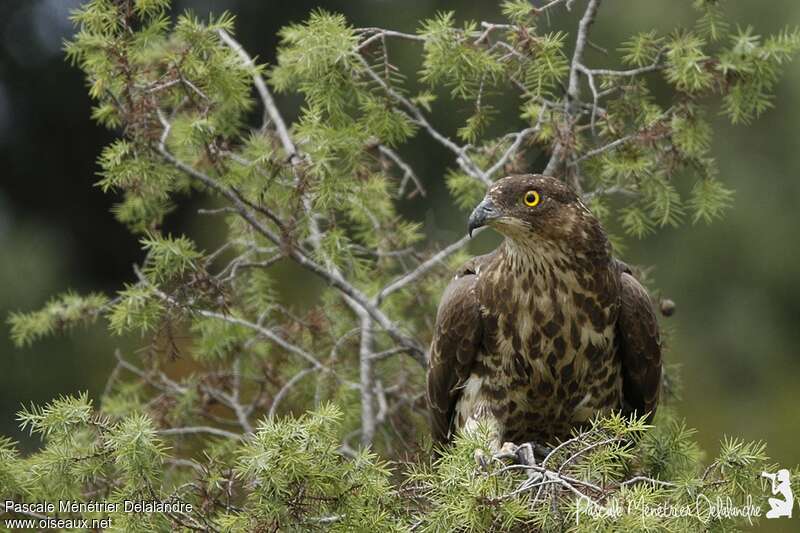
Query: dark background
{"points": [[736, 282]]}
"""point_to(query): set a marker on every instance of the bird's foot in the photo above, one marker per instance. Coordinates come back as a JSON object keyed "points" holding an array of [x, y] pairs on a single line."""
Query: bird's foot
{"points": [[518, 454], [481, 459], [522, 455], [525, 454], [507, 451], [540, 449]]}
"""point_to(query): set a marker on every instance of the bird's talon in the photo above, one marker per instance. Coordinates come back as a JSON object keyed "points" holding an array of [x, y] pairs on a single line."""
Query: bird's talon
{"points": [[481, 459], [525, 455], [508, 449]]}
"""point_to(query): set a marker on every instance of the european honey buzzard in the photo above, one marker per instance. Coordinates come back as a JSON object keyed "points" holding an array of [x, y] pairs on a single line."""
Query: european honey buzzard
{"points": [[546, 331]]}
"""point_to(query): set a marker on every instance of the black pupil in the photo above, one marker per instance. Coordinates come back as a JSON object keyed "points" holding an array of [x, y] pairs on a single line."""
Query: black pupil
{"points": [[531, 198]]}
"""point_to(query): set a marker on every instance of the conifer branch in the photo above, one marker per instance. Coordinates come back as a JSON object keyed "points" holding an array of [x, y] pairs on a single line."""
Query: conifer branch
{"points": [[325, 194], [462, 158], [271, 111], [333, 277]]}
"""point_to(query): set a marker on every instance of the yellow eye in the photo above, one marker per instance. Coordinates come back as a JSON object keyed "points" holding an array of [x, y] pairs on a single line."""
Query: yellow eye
{"points": [[531, 198]]}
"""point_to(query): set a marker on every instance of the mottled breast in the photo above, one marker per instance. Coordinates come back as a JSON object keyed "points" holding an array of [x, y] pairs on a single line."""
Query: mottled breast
{"points": [[548, 360]]}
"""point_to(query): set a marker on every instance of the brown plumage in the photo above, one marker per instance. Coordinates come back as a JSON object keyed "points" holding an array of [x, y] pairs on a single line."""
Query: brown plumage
{"points": [[549, 329]]}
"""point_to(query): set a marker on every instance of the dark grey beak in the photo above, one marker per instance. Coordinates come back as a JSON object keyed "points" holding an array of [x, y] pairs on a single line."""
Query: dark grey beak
{"points": [[482, 215]]}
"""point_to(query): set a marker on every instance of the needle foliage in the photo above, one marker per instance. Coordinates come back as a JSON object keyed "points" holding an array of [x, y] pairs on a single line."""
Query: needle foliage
{"points": [[297, 418]]}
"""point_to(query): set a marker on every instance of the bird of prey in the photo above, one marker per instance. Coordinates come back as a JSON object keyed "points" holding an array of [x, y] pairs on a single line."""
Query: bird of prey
{"points": [[549, 329]]}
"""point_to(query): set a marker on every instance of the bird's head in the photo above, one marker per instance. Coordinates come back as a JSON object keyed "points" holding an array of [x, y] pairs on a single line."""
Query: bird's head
{"points": [[529, 208]]}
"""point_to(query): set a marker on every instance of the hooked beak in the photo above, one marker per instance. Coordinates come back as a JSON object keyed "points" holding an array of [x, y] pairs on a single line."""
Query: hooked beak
{"points": [[484, 213]]}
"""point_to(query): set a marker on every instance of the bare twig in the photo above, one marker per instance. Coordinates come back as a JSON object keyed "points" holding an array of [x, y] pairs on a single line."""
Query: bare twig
{"points": [[270, 109], [573, 89], [194, 430], [266, 332], [165, 385], [580, 45], [408, 172], [422, 269], [586, 449], [605, 148], [518, 138], [288, 387], [553, 3], [645, 479], [379, 34], [300, 257], [462, 158], [593, 88], [367, 378], [653, 67]]}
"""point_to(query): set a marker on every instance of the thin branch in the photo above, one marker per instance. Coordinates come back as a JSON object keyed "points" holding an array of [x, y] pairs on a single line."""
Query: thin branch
{"points": [[166, 385], [162, 86], [555, 159], [604, 148], [597, 47], [463, 160], [654, 66], [387, 353], [489, 27], [287, 387], [584, 450], [241, 412], [217, 211], [333, 277], [194, 87], [367, 379], [565, 481], [266, 332], [422, 269], [408, 172], [593, 88], [553, 3], [380, 34], [566, 443], [518, 138], [194, 430], [188, 463], [580, 45], [573, 89], [112, 378], [270, 109], [645, 479]]}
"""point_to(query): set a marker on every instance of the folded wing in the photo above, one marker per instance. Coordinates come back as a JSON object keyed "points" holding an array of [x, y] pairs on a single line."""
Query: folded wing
{"points": [[456, 341], [640, 348]]}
